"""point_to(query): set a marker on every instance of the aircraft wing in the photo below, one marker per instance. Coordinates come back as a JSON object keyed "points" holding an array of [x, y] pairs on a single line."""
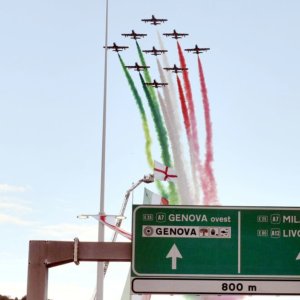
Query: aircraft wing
{"points": [[119, 48], [148, 20], [116, 47], [154, 20]]}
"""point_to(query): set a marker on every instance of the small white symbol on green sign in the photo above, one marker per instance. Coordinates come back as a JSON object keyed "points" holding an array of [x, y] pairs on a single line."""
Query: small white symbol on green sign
{"points": [[174, 254]]}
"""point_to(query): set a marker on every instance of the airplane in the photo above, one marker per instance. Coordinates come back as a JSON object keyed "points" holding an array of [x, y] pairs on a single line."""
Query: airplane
{"points": [[176, 35], [176, 69], [116, 48], [156, 84], [197, 50], [154, 21], [137, 67], [134, 35], [155, 52]]}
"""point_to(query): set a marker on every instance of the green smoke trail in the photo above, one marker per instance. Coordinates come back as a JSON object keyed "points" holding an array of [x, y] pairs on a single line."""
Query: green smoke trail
{"points": [[147, 75], [144, 123], [159, 126], [142, 112], [162, 138], [158, 120]]}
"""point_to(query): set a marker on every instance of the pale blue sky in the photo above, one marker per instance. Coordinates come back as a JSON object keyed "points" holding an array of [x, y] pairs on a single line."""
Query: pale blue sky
{"points": [[51, 74]]}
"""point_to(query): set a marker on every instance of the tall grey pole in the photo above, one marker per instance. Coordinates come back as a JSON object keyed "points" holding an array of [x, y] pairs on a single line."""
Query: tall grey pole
{"points": [[100, 265]]}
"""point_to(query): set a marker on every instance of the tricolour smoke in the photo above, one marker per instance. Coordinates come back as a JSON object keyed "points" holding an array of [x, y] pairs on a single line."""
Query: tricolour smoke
{"points": [[195, 162], [193, 131], [162, 138], [146, 130], [182, 166]]}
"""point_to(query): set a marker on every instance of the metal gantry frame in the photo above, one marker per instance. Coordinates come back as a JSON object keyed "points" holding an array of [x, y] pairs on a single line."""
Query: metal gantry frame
{"points": [[44, 255]]}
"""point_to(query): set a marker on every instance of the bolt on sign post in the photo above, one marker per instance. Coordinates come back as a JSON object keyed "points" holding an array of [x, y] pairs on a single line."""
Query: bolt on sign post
{"points": [[216, 250]]}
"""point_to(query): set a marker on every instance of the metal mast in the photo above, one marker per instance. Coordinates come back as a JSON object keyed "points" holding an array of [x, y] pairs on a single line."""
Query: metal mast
{"points": [[100, 265]]}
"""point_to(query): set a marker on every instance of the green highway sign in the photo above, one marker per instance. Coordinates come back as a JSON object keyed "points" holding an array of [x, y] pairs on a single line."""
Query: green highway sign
{"points": [[236, 243]]}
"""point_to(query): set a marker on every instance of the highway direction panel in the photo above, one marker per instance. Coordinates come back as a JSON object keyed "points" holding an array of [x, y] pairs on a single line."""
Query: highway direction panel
{"points": [[193, 243]]}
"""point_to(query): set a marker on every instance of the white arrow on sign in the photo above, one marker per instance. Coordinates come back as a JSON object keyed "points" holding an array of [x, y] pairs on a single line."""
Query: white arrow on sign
{"points": [[174, 254], [298, 257]]}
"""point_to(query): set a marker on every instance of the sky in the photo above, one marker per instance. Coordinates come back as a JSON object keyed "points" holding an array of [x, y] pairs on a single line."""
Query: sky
{"points": [[51, 73]]}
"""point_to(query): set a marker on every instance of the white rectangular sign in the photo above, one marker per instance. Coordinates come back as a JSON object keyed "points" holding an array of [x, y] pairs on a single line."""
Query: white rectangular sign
{"points": [[199, 286]]}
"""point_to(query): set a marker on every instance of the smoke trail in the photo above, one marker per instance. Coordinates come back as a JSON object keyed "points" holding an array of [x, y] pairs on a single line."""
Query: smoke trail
{"points": [[193, 125], [154, 107], [184, 109], [146, 73], [195, 162], [213, 199], [175, 140], [182, 183], [187, 84], [155, 110], [171, 88], [162, 138], [146, 130], [160, 129], [182, 165], [142, 112], [189, 98]]}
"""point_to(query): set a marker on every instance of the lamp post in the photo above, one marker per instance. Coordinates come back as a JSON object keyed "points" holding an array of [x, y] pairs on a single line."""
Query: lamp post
{"points": [[100, 265]]}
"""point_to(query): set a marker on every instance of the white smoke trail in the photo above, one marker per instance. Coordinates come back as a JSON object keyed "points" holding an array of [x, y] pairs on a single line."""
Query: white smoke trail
{"points": [[182, 183], [171, 89], [171, 98]]}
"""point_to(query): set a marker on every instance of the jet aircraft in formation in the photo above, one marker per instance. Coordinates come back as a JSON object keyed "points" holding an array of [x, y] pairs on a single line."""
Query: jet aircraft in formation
{"points": [[134, 35], [197, 50], [176, 69], [137, 67], [154, 21], [156, 84], [116, 48], [176, 35], [155, 51]]}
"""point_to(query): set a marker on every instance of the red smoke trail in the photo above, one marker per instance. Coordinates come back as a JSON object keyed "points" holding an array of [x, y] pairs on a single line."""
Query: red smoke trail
{"points": [[189, 98], [193, 122], [195, 160], [209, 148], [184, 109]]}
